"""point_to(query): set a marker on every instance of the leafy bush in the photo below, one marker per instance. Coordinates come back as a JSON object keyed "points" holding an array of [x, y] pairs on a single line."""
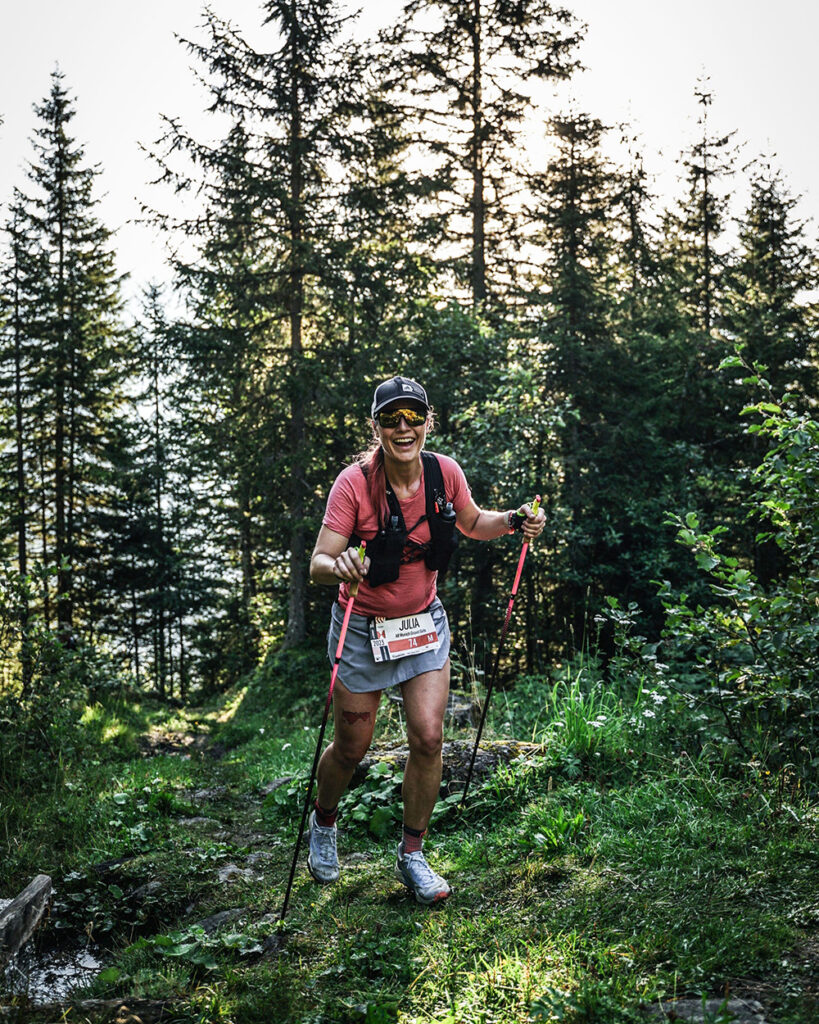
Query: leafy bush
{"points": [[749, 660], [44, 682]]}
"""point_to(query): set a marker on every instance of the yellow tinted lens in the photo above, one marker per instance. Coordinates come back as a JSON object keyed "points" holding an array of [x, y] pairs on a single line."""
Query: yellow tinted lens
{"points": [[413, 417]]}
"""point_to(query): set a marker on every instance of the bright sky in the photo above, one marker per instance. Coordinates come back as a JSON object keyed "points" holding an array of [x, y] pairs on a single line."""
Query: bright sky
{"points": [[124, 68]]}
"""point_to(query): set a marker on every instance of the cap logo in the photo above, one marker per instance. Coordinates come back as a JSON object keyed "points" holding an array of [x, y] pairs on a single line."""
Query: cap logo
{"points": [[406, 387]]}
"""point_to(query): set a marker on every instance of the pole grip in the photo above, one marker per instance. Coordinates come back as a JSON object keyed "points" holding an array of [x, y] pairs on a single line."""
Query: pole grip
{"points": [[360, 552]]}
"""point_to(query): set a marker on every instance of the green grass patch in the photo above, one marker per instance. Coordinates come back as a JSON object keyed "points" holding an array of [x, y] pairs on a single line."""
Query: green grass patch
{"points": [[597, 877]]}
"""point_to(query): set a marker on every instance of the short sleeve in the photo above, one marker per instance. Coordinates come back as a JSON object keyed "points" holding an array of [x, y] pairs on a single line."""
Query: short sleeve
{"points": [[341, 513], [455, 485]]}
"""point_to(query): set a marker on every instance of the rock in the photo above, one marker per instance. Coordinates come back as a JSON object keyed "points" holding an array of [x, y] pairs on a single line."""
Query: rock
{"points": [[214, 793], [197, 821], [463, 714], [260, 857], [21, 916], [216, 921], [230, 872], [260, 839], [143, 892], [456, 754], [271, 787], [745, 1011]]}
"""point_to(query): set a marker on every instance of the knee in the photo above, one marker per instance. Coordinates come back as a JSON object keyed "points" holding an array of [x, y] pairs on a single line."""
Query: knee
{"points": [[349, 754], [427, 742]]}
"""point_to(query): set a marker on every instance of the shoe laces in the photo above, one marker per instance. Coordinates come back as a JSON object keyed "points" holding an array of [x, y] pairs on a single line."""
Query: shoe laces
{"points": [[421, 872], [326, 839]]}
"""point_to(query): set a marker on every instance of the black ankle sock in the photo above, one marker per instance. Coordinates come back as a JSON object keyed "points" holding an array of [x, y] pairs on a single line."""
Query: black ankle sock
{"points": [[325, 818]]}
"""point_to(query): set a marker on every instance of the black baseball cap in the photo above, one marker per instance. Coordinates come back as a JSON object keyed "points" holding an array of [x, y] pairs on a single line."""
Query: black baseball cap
{"points": [[396, 389]]}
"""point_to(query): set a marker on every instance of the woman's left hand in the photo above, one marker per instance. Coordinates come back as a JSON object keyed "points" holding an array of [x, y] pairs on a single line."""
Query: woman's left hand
{"points": [[533, 524]]}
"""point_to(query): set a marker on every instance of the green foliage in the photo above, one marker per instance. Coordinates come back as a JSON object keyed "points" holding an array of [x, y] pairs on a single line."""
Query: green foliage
{"points": [[41, 712], [555, 828], [748, 661], [377, 803], [579, 713], [579, 884], [592, 1002]]}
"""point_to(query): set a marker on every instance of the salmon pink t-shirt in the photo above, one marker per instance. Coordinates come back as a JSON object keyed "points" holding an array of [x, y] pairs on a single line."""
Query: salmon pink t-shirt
{"points": [[350, 511]]}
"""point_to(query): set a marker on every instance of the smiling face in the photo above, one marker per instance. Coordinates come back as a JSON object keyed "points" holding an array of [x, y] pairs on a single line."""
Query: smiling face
{"points": [[402, 443]]}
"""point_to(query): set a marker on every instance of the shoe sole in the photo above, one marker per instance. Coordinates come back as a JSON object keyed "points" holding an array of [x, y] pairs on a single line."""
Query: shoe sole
{"points": [[318, 878], [439, 897]]}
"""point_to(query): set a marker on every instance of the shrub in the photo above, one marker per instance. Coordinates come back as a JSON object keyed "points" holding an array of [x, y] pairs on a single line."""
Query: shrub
{"points": [[750, 657]]}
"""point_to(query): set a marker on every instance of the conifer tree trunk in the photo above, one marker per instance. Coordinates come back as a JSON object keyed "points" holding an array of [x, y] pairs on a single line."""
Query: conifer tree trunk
{"points": [[20, 476], [134, 622], [160, 526], [295, 631], [246, 558], [477, 165], [44, 530], [60, 399]]}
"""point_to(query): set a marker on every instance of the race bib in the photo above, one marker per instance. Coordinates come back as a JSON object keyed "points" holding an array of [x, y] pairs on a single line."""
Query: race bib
{"points": [[398, 638]]}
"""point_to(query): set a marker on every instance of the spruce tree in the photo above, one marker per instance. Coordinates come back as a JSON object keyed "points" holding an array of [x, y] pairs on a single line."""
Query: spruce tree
{"points": [[771, 320], [695, 257], [77, 352], [228, 347], [18, 276], [768, 310], [580, 367], [646, 464], [464, 72], [278, 201]]}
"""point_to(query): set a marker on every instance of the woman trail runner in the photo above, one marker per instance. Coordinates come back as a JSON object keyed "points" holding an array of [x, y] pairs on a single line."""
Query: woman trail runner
{"points": [[405, 503]]}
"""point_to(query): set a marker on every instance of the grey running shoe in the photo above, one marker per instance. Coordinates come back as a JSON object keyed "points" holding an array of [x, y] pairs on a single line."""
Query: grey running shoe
{"points": [[322, 861], [412, 869]]}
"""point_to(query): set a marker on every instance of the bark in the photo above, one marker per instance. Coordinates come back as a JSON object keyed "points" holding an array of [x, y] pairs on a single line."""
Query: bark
{"points": [[22, 517], [295, 631], [135, 623], [60, 400], [19, 919], [161, 665], [478, 204]]}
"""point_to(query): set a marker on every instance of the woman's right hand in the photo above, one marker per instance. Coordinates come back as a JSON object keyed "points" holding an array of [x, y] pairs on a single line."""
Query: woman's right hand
{"points": [[349, 567]]}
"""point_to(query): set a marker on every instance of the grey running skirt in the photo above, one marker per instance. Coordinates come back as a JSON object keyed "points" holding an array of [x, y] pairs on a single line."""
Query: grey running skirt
{"points": [[358, 669]]}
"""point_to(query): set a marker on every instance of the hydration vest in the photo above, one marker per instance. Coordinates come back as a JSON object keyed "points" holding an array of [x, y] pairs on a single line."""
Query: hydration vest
{"points": [[386, 549]]}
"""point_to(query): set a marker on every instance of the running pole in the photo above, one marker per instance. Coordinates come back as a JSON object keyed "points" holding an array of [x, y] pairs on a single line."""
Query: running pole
{"points": [[523, 550], [339, 649]]}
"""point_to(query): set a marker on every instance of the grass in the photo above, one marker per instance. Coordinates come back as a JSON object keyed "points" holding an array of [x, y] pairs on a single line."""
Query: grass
{"points": [[609, 873]]}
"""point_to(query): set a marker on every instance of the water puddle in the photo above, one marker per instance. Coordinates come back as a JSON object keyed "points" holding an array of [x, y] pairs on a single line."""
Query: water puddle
{"points": [[50, 975]]}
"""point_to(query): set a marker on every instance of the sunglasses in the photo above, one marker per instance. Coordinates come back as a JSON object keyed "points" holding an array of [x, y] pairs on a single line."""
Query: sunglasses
{"points": [[392, 417]]}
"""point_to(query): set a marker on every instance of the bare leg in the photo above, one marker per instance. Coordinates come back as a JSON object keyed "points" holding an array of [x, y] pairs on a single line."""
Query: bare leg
{"points": [[425, 698], [354, 719]]}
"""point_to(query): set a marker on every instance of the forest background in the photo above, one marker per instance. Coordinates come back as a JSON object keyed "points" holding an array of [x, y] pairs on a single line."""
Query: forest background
{"points": [[370, 211], [649, 369]]}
